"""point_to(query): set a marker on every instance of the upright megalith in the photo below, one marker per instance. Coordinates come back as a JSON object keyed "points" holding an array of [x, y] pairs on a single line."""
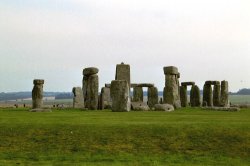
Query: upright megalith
{"points": [[37, 94], [123, 73], [105, 98], [120, 96], [137, 94], [78, 100], [152, 96], [171, 93], [216, 94], [183, 96], [90, 87], [224, 101], [195, 96], [207, 94]]}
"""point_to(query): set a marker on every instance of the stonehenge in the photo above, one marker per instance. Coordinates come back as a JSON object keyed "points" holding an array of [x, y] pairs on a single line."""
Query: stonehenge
{"points": [[171, 94], [153, 98], [183, 93], [123, 73], [195, 96], [37, 94], [90, 85], [105, 99], [224, 94], [78, 100], [120, 95]]}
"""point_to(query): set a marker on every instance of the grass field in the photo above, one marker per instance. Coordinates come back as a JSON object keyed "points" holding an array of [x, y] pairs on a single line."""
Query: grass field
{"points": [[74, 137]]}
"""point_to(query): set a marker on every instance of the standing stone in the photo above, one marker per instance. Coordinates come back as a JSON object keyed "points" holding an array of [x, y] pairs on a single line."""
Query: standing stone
{"points": [[183, 96], [138, 94], [224, 94], [120, 96], [105, 98], [123, 73], [171, 93], [78, 100], [90, 87], [37, 94], [195, 96], [152, 96], [216, 94], [208, 95]]}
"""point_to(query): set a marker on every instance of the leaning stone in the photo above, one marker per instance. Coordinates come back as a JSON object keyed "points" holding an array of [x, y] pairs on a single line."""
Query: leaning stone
{"points": [[37, 94], [171, 70], [152, 96], [78, 100], [90, 71], [164, 107], [139, 106], [120, 96]]}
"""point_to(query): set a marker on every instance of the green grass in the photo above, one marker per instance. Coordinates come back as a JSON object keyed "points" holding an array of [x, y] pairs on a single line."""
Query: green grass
{"points": [[74, 137]]}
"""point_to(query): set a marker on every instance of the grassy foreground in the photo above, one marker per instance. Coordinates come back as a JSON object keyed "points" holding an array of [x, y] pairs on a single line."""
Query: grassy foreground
{"points": [[74, 137]]}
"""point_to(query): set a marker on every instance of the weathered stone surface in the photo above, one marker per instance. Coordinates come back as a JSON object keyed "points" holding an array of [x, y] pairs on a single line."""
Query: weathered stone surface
{"points": [[78, 100], [233, 109], [123, 73], [183, 95], [137, 94], [212, 82], [120, 96], [216, 95], [37, 94], [92, 92], [208, 94], [106, 102], [148, 85], [139, 106], [164, 107], [107, 85], [84, 87], [152, 96], [171, 90], [171, 70], [133, 85], [195, 96], [187, 83], [224, 94], [90, 71], [177, 104]]}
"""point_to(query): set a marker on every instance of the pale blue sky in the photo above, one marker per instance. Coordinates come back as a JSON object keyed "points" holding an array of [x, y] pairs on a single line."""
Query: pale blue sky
{"points": [[55, 39]]}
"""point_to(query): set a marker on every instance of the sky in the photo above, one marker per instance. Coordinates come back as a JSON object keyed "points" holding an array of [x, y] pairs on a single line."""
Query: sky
{"points": [[55, 40]]}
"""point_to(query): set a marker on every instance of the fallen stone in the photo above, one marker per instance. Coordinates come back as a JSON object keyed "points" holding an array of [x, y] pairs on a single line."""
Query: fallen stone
{"points": [[164, 107], [139, 106], [232, 109]]}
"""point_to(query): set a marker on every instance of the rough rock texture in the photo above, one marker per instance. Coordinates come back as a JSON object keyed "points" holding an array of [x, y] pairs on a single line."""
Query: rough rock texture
{"points": [[208, 94], [139, 106], [120, 96], [171, 70], [148, 85], [152, 96], [78, 100], [195, 96], [123, 73], [37, 94], [105, 102], [90, 88], [187, 83], [171, 93], [224, 101], [137, 94], [183, 96], [90, 71], [216, 95], [164, 107]]}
